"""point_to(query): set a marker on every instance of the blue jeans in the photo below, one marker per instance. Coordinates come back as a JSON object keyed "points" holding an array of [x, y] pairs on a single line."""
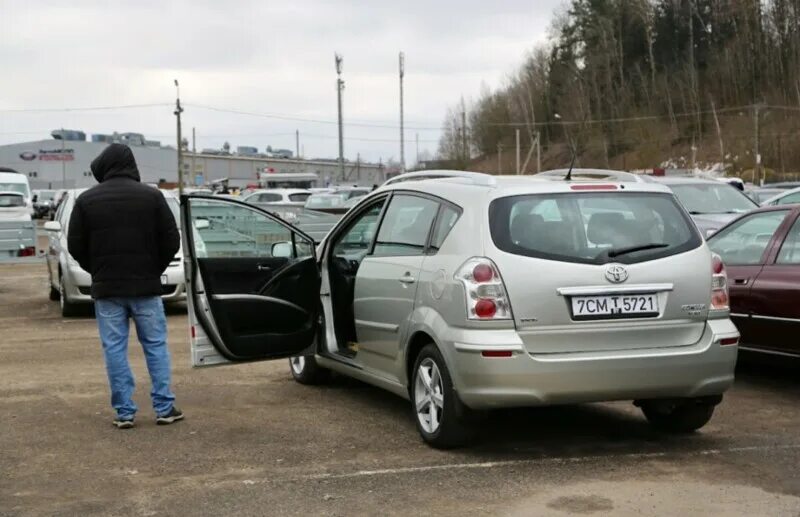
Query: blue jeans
{"points": [[113, 316]]}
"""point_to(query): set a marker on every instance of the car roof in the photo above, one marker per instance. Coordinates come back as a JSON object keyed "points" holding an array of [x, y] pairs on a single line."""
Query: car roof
{"points": [[472, 187], [782, 195], [279, 191]]}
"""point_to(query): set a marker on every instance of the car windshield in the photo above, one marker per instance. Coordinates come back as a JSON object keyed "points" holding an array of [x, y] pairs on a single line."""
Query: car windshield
{"points": [[592, 228], [326, 200], [46, 195], [14, 187], [11, 200], [710, 198]]}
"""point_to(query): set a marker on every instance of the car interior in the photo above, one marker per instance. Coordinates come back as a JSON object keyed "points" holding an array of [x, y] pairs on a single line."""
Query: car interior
{"points": [[349, 249]]}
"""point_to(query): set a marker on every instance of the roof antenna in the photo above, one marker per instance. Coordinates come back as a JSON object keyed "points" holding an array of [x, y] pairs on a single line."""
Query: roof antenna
{"points": [[568, 177]]}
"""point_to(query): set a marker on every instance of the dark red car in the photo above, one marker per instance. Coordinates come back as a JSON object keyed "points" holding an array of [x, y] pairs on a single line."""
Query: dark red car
{"points": [[761, 252]]}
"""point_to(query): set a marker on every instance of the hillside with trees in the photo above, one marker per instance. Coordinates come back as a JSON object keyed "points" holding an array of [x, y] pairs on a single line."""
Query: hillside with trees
{"points": [[637, 84]]}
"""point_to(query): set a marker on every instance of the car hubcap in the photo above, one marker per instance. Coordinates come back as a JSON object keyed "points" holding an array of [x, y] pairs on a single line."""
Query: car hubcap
{"points": [[298, 364], [429, 395]]}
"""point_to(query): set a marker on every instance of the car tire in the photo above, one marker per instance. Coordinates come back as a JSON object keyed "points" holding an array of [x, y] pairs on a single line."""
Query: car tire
{"points": [[678, 417], [443, 424], [68, 309], [305, 370]]}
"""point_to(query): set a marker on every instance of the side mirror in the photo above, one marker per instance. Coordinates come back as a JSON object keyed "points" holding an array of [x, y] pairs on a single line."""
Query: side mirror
{"points": [[52, 226], [202, 224], [282, 249], [35, 198]]}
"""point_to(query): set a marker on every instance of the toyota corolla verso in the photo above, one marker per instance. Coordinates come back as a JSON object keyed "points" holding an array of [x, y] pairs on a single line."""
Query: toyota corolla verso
{"points": [[474, 292]]}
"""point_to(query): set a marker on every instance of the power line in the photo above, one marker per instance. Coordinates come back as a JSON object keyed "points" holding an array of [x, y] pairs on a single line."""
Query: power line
{"points": [[85, 108]]}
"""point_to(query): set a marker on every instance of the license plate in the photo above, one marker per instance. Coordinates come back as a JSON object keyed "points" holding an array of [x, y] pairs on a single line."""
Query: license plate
{"points": [[163, 279], [614, 306]]}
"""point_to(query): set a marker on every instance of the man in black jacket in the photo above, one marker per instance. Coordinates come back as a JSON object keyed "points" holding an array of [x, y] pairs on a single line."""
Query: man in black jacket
{"points": [[124, 234]]}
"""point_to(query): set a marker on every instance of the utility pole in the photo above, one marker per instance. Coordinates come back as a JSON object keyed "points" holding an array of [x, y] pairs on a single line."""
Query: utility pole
{"points": [[517, 131], [416, 162], [178, 111], [194, 152], [464, 148], [297, 143], [499, 158], [757, 180], [538, 152], [339, 89], [63, 163], [402, 63]]}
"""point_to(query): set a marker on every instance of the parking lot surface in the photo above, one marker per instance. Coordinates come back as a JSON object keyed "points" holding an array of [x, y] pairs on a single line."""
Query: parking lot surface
{"points": [[256, 443]]}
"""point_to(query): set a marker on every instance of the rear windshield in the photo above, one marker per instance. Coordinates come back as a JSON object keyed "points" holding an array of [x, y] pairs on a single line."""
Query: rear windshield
{"points": [[11, 200], [592, 228]]}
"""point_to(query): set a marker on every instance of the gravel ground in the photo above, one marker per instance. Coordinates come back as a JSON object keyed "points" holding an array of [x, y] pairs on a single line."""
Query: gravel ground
{"points": [[256, 443]]}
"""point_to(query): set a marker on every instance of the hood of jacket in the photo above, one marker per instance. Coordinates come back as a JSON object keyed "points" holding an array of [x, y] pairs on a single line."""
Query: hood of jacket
{"points": [[116, 161]]}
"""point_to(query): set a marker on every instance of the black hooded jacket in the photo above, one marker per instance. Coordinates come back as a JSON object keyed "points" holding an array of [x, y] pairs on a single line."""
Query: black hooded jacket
{"points": [[121, 231]]}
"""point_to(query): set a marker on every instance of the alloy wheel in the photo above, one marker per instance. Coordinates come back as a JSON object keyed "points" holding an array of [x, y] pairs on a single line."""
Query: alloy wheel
{"points": [[429, 395]]}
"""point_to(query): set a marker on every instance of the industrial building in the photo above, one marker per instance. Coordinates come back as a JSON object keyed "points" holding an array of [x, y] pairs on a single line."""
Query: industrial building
{"points": [[62, 161]]}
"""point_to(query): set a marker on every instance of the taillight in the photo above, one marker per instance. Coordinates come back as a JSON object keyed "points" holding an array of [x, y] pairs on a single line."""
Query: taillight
{"points": [[719, 285], [486, 295], [30, 251]]}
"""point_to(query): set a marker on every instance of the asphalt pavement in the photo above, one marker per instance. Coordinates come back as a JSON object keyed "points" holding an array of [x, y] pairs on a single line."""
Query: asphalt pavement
{"points": [[254, 442]]}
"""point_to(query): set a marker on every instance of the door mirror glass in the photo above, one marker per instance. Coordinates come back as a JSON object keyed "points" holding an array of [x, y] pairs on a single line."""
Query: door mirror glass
{"points": [[202, 224], [282, 249]]}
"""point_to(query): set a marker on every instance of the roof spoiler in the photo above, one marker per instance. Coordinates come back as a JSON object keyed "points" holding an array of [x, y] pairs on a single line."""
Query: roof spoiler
{"points": [[594, 174]]}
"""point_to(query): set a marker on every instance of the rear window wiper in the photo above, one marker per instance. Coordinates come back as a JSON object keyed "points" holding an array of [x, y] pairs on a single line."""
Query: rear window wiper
{"points": [[632, 249]]}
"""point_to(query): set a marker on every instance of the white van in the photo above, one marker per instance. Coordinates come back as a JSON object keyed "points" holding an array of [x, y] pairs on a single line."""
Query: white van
{"points": [[12, 181]]}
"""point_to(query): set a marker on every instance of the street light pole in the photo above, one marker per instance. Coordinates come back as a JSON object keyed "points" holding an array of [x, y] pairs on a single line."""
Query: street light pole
{"points": [[178, 111], [402, 132], [339, 89]]}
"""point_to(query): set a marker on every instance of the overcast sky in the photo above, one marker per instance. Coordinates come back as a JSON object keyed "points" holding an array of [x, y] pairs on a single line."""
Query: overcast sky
{"points": [[271, 57]]}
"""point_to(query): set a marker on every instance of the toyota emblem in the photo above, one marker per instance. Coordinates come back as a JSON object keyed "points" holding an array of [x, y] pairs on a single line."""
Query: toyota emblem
{"points": [[616, 274]]}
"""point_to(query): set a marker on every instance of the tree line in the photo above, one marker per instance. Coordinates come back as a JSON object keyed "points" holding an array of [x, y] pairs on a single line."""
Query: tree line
{"points": [[634, 83]]}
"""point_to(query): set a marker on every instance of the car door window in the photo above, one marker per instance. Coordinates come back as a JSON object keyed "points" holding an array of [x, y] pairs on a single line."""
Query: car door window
{"points": [[405, 228], [447, 219], [790, 199], [744, 243], [790, 251], [225, 230], [357, 239]]}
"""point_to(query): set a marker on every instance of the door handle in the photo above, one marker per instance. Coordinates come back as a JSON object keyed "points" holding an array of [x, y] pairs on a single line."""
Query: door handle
{"points": [[741, 281], [263, 268], [407, 279]]}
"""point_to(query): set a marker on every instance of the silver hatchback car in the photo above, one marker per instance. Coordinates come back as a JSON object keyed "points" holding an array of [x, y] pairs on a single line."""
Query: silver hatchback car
{"points": [[473, 292]]}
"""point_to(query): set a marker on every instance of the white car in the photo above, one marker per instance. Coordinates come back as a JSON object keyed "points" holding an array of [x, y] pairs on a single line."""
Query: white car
{"points": [[278, 196], [71, 285], [789, 197], [12, 181]]}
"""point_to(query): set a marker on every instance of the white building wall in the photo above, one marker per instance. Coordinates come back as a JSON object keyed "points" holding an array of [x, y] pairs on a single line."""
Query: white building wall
{"points": [[49, 166]]}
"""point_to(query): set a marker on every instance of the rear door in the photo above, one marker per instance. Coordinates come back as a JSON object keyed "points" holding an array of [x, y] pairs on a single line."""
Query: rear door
{"points": [[599, 271], [745, 247], [252, 282], [775, 295], [387, 279]]}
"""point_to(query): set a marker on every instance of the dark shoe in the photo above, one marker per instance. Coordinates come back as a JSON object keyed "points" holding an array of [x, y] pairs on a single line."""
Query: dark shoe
{"points": [[120, 423], [170, 418]]}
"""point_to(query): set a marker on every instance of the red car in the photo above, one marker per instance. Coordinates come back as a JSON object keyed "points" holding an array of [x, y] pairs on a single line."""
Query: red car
{"points": [[761, 252]]}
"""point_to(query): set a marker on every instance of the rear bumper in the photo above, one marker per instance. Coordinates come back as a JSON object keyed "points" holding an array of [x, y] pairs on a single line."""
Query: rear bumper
{"points": [[703, 369], [78, 285]]}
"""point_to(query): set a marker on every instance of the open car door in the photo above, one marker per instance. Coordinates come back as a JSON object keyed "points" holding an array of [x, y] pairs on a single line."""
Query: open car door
{"points": [[252, 283]]}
